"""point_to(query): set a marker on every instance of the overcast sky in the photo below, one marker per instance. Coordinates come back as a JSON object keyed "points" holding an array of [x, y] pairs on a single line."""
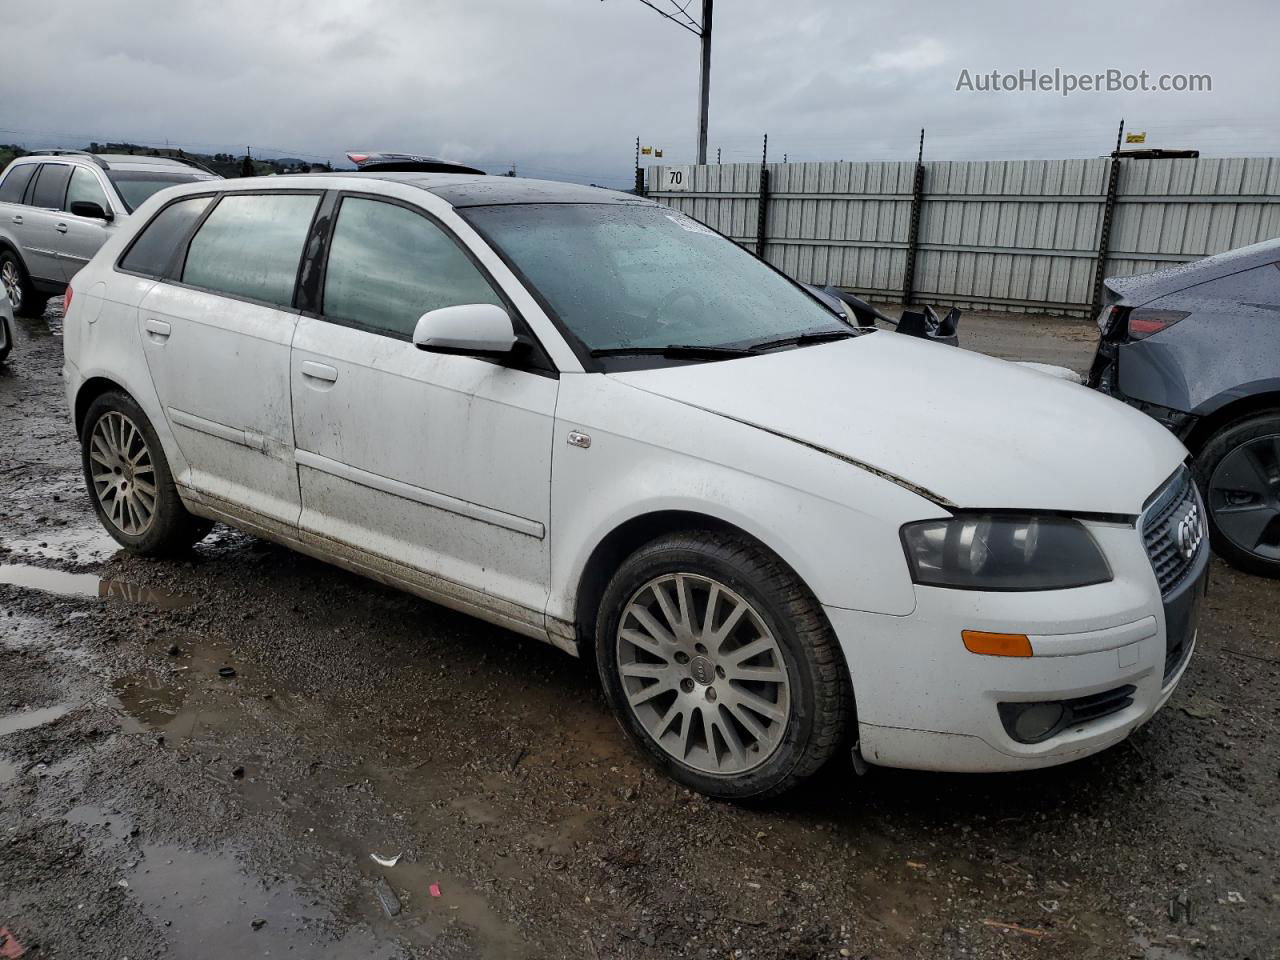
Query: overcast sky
{"points": [[563, 87]]}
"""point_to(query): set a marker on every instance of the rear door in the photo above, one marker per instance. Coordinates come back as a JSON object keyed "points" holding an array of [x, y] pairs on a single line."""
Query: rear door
{"points": [[13, 202], [216, 335], [41, 238], [78, 238], [438, 462]]}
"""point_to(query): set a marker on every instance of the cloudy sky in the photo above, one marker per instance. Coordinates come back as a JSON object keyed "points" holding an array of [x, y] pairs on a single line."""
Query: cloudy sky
{"points": [[563, 87]]}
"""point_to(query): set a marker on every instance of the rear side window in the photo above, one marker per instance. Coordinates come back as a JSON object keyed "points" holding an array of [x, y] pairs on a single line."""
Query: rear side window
{"points": [[15, 182], [388, 266], [153, 249], [250, 245], [51, 185], [86, 188]]}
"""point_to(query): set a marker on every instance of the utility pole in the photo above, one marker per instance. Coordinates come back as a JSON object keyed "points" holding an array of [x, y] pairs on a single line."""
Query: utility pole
{"points": [[704, 81], [679, 16]]}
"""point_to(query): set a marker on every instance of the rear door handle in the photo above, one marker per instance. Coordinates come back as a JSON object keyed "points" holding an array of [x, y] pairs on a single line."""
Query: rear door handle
{"points": [[18, 220], [157, 330], [61, 228], [319, 371]]}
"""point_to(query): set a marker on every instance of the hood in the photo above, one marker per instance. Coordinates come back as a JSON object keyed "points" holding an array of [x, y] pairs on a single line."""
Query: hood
{"points": [[960, 428], [1143, 288]]}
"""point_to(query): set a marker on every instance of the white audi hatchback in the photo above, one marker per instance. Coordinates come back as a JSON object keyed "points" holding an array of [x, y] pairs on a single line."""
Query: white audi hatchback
{"points": [[587, 418]]}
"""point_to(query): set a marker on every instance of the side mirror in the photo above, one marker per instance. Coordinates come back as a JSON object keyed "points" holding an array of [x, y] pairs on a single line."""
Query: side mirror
{"points": [[477, 329], [88, 208]]}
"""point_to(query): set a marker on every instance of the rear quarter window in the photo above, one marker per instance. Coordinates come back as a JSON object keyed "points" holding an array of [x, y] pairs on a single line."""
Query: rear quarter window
{"points": [[15, 182], [153, 249], [250, 246]]}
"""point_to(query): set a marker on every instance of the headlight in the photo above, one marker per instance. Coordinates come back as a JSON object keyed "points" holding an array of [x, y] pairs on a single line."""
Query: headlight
{"points": [[997, 551]]}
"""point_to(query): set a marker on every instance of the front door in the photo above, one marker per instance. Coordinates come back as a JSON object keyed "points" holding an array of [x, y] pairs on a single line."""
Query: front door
{"points": [[217, 343], [436, 462], [80, 237]]}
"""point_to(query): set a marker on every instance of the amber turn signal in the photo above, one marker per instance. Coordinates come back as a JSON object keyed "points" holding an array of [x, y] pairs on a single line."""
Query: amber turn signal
{"points": [[996, 644]]}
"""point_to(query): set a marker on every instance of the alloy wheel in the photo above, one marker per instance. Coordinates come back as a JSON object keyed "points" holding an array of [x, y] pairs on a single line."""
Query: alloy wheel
{"points": [[12, 281], [703, 674], [1244, 496], [123, 473]]}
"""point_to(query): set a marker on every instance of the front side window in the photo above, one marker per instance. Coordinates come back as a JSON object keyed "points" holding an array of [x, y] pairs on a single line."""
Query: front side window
{"points": [[389, 265], [136, 186], [250, 245], [85, 188], [51, 185], [644, 277], [15, 182], [152, 251]]}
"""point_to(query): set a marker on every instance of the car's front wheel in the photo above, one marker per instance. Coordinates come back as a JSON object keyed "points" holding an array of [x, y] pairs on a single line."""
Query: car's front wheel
{"points": [[17, 284], [1238, 472], [6, 339], [720, 664], [129, 480]]}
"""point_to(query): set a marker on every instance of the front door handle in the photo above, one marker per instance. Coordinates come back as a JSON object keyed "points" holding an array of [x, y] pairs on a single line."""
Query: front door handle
{"points": [[61, 228], [157, 330], [319, 371]]}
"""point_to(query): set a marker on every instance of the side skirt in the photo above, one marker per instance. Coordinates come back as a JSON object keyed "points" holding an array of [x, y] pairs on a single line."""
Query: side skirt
{"points": [[447, 593]]}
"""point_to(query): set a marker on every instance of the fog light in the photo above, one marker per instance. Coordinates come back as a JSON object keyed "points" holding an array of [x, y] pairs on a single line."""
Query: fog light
{"points": [[1032, 722]]}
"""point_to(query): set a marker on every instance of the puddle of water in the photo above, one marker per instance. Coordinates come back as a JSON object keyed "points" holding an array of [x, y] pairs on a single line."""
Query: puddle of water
{"points": [[88, 585], [26, 719], [208, 905]]}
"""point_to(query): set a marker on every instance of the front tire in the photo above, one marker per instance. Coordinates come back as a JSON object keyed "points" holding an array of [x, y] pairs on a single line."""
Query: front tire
{"points": [[720, 664], [1238, 472], [6, 339], [26, 301], [129, 480]]}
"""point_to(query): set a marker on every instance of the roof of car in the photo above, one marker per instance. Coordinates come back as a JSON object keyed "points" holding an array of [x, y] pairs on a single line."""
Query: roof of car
{"points": [[480, 191]]}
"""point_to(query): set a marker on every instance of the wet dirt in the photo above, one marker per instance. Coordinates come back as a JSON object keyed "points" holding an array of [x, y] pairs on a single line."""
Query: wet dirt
{"points": [[159, 809]]}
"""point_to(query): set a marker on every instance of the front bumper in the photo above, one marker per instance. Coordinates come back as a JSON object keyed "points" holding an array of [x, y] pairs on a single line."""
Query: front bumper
{"points": [[925, 702]]}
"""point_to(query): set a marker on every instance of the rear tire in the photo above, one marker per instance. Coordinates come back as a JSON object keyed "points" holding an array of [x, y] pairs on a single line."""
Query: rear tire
{"points": [[26, 300], [6, 339], [751, 726], [129, 481], [1238, 472]]}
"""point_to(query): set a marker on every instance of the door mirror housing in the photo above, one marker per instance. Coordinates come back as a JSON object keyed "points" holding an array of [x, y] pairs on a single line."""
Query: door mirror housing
{"points": [[474, 329], [88, 208]]}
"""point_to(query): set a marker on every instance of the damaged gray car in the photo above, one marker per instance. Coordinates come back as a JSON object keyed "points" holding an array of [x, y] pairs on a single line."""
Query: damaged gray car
{"points": [[1198, 348]]}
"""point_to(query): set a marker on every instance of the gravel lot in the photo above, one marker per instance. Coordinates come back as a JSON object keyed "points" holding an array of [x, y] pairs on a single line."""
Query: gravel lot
{"points": [[150, 807]]}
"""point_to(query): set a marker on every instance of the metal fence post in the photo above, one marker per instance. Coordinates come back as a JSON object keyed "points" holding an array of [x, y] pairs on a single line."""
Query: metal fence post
{"points": [[913, 234], [640, 191], [762, 213], [1104, 236]]}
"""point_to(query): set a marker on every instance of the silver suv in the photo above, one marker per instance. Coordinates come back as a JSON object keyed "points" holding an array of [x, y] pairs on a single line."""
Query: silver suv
{"points": [[57, 207]]}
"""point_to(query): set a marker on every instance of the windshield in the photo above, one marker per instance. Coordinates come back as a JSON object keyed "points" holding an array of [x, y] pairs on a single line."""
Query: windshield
{"points": [[622, 276], [135, 186]]}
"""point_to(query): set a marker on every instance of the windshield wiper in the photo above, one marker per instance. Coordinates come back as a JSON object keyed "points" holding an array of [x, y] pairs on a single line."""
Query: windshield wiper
{"points": [[675, 350], [801, 339]]}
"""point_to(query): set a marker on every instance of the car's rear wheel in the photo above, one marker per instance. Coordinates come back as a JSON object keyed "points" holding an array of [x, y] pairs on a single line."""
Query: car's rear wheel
{"points": [[720, 664], [6, 339], [129, 480], [1238, 472], [17, 284]]}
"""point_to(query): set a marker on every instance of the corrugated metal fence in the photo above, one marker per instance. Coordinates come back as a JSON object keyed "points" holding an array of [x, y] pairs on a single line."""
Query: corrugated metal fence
{"points": [[1000, 235]]}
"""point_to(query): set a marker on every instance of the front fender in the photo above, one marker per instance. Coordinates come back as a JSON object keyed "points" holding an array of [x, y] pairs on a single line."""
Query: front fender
{"points": [[835, 524]]}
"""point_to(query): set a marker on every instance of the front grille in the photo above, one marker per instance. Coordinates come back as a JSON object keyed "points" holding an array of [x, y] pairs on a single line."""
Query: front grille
{"points": [[1169, 508]]}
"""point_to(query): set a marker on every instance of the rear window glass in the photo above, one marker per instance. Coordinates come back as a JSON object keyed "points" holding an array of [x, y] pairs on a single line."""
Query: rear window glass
{"points": [[15, 182], [250, 246], [153, 249], [136, 186], [51, 185]]}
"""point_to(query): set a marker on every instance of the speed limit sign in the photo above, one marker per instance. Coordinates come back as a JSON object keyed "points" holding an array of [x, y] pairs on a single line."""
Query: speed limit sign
{"points": [[677, 178]]}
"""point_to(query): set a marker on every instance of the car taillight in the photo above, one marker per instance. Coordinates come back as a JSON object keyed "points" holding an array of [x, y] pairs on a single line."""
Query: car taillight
{"points": [[66, 299], [1143, 323]]}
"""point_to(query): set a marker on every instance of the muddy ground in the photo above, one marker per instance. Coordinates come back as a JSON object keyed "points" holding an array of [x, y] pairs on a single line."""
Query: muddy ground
{"points": [[151, 807]]}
